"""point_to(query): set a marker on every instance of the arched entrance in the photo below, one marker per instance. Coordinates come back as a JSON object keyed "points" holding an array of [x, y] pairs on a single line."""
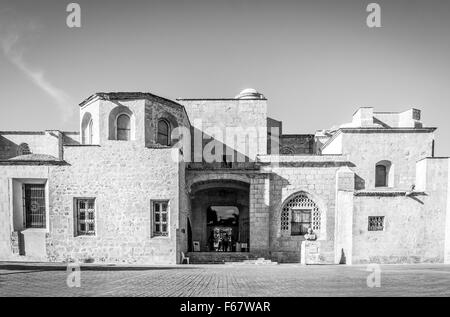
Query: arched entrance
{"points": [[220, 216]]}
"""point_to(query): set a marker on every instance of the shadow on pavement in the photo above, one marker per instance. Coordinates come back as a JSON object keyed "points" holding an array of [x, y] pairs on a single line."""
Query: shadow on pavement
{"points": [[31, 268]]}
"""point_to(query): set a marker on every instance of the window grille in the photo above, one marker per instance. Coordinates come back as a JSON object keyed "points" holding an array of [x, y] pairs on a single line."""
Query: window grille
{"points": [[300, 207], [34, 205], [376, 223], [160, 218], [85, 217]]}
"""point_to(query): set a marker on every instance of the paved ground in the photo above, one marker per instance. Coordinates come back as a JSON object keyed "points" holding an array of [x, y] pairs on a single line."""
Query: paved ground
{"points": [[222, 280]]}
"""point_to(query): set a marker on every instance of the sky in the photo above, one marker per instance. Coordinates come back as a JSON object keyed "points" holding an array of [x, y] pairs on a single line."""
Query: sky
{"points": [[316, 61]]}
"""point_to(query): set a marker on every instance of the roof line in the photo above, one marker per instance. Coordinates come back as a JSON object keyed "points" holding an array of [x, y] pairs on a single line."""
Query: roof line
{"points": [[218, 99]]}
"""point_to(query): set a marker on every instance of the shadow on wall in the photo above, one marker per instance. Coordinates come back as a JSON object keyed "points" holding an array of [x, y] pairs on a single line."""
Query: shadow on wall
{"points": [[8, 149], [224, 159], [360, 183], [343, 259]]}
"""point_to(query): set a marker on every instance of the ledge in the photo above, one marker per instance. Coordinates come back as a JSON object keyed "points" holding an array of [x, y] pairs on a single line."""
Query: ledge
{"points": [[219, 167], [387, 130], [33, 163], [388, 193], [81, 145], [302, 160]]}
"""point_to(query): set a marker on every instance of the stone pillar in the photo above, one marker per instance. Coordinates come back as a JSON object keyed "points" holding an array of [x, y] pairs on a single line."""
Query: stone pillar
{"points": [[345, 185], [259, 215]]}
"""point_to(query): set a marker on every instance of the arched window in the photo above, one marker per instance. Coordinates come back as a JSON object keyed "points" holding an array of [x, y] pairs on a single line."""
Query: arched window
{"points": [[382, 174], [298, 214], [163, 132], [87, 129], [23, 149], [287, 151], [123, 127]]}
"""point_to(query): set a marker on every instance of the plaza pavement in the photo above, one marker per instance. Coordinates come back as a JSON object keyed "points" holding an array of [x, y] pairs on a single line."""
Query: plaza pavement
{"points": [[291, 280]]}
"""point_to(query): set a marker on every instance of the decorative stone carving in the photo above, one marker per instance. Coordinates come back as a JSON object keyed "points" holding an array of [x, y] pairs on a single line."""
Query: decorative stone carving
{"points": [[310, 236]]}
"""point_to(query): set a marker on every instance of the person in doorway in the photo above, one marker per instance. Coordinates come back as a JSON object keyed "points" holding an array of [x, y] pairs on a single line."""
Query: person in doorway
{"points": [[225, 243]]}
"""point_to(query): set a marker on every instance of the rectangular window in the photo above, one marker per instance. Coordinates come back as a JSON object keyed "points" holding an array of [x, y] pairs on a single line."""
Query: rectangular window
{"points": [[376, 223], [301, 221], [34, 205], [85, 216], [160, 218]]}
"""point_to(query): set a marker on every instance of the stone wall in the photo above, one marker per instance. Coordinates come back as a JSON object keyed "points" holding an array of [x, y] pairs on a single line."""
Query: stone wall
{"points": [[47, 142], [413, 230], [297, 144], [124, 178], [260, 215], [211, 118], [144, 113], [313, 175], [345, 184], [403, 149]]}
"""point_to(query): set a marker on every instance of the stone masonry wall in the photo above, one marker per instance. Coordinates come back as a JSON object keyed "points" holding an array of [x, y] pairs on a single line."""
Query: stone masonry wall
{"points": [[124, 178], [214, 116], [365, 150], [414, 231], [297, 144], [319, 183]]}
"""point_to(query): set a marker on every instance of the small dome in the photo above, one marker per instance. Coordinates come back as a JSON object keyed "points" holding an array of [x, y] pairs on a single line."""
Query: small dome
{"points": [[249, 93]]}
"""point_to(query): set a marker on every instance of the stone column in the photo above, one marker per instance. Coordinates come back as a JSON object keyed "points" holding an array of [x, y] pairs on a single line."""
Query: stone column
{"points": [[259, 215]]}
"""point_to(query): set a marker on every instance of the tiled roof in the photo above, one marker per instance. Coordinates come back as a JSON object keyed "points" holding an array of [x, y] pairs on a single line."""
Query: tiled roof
{"points": [[35, 157]]}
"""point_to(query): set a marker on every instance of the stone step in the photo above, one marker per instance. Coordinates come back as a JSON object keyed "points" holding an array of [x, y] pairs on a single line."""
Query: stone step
{"points": [[254, 262], [219, 257]]}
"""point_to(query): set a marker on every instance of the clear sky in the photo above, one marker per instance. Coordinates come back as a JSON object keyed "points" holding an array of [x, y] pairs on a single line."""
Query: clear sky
{"points": [[316, 61]]}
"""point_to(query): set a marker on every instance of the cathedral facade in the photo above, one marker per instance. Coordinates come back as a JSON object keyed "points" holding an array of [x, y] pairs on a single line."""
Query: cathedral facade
{"points": [[149, 180]]}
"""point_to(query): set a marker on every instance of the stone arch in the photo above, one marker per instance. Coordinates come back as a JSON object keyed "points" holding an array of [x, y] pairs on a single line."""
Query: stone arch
{"points": [[112, 122], [287, 151], [205, 178], [212, 203], [310, 201]]}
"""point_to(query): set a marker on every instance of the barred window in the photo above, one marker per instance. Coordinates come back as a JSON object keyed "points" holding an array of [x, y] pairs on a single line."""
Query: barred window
{"points": [[376, 223], [160, 218], [85, 216], [298, 214], [34, 205]]}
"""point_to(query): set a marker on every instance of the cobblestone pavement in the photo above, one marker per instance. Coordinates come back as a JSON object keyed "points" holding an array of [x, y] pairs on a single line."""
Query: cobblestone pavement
{"points": [[18, 279]]}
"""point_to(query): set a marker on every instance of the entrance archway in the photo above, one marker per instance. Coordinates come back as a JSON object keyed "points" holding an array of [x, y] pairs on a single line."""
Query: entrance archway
{"points": [[220, 216]]}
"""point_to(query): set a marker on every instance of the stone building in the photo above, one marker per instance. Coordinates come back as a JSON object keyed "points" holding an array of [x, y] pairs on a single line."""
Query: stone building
{"points": [[147, 180]]}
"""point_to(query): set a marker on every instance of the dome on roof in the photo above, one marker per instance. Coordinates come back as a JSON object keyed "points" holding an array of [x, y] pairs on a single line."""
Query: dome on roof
{"points": [[249, 93]]}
